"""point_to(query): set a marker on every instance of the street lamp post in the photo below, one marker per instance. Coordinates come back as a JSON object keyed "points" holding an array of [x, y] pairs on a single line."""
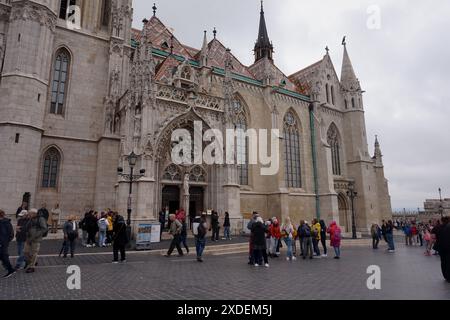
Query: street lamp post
{"points": [[441, 208], [352, 195], [132, 160]]}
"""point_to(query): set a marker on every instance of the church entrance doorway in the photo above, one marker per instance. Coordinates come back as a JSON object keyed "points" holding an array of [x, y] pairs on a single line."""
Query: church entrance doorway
{"points": [[343, 212], [171, 198], [196, 202]]}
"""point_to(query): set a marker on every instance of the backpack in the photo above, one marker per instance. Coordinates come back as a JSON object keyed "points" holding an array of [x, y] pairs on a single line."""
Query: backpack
{"points": [[201, 230], [306, 231], [102, 225]]}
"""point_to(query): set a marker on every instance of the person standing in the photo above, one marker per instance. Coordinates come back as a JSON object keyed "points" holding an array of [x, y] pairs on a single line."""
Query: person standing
{"points": [[251, 257], [23, 207], [70, 230], [390, 236], [323, 237], [36, 228], [120, 238], [56, 213], [275, 236], [374, 232], [226, 227], [200, 229], [259, 243], [91, 228], [315, 234], [109, 232], [83, 226], [443, 239], [6, 236], [335, 239], [287, 231], [175, 231], [305, 239], [43, 212], [162, 221], [383, 230], [21, 237], [102, 229], [215, 226]]}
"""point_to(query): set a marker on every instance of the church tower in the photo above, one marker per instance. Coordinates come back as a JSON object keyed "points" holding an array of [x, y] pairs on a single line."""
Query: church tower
{"points": [[263, 46], [23, 89]]}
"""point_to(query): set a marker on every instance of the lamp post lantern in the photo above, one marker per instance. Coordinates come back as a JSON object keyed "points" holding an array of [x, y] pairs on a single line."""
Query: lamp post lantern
{"points": [[352, 194], [132, 160]]}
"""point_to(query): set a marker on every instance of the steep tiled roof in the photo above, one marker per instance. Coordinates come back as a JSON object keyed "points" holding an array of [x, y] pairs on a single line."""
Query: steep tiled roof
{"points": [[302, 78]]}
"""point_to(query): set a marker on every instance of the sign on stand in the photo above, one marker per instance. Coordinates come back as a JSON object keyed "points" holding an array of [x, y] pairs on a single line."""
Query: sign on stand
{"points": [[147, 234]]}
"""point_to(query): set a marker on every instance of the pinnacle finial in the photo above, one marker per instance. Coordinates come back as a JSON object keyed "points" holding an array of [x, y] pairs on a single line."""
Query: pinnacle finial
{"points": [[327, 49], [154, 9], [344, 41], [215, 32], [262, 6]]}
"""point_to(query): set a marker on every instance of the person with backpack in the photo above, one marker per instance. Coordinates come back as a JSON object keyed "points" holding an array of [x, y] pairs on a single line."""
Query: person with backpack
{"points": [[70, 230], [175, 231], [103, 226], [21, 238], [6, 236], [36, 230], [200, 228], [315, 235], [335, 239], [304, 232], [120, 238]]}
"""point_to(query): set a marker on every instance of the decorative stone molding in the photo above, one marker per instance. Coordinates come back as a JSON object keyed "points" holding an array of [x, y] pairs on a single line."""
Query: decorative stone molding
{"points": [[30, 11]]}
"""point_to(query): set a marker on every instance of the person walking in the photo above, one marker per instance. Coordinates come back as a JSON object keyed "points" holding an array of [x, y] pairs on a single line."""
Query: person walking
{"points": [[335, 239], [21, 237], [70, 230], [259, 243], [315, 234], [226, 227], [183, 235], [120, 238], [54, 219], [287, 231], [443, 239], [6, 236], [215, 226], [390, 236], [374, 231], [323, 237], [175, 231], [304, 232], [36, 229], [102, 229], [200, 228]]}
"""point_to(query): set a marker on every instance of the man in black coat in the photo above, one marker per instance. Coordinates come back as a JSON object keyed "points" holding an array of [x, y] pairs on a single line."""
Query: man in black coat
{"points": [[215, 226], [6, 236], [443, 240], [120, 238], [43, 212]]}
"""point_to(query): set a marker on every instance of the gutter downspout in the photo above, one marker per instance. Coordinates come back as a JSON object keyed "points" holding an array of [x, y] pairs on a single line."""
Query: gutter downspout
{"points": [[314, 158]]}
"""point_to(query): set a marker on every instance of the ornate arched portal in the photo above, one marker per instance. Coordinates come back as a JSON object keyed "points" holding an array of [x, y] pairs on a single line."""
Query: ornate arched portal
{"points": [[344, 220]]}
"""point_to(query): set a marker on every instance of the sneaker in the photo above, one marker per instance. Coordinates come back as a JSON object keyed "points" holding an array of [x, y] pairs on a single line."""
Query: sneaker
{"points": [[288, 259], [266, 265], [294, 259], [9, 274], [324, 255], [391, 251], [199, 259], [256, 265], [115, 262], [30, 270]]}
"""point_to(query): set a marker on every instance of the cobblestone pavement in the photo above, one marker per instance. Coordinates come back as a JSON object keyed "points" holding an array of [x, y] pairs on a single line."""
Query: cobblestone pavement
{"points": [[407, 274]]}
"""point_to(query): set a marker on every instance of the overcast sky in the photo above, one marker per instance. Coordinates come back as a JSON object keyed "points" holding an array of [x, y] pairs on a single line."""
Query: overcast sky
{"points": [[404, 67]]}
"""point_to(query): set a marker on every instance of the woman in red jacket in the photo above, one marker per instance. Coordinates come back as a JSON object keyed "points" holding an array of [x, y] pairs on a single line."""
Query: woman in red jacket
{"points": [[275, 234], [335, 236]]}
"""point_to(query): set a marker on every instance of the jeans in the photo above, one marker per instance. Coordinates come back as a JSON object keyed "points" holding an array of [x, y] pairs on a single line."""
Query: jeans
{"points": [[69, 244], [260, 255], [390, 241], [101, 238], [215, 233], [337, 251], [4, 257], [226, 233], [307, 247], [20, 263], [375, 242], [91, 237], [183, 240], [175, 243], [116, 249], [274, 246], [200, 244], [288, 242], [316, 246]]}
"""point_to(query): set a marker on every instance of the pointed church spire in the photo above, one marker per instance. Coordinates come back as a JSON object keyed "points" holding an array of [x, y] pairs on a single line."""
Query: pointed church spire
{"points": [[263, 46], [348, 77], [204, 52], [378, 156]]}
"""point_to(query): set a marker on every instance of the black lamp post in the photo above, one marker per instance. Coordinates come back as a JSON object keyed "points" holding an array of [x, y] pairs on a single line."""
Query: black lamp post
{"points": [[132, 160], [352, 194], [441, 208]]}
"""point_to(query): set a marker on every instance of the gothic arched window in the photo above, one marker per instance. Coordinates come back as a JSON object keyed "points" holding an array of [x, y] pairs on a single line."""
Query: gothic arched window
{"points": [[60, 78], [106, 12], [327, 89], [50, 170], [64, 4], [353, 103], [332, 95], [241, 141], [292, 151], [172, 173], [333, 141]]}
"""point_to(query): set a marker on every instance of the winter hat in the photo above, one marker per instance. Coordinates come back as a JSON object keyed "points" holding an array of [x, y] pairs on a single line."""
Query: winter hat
{"points": [[306, 222], [23, 213]]}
